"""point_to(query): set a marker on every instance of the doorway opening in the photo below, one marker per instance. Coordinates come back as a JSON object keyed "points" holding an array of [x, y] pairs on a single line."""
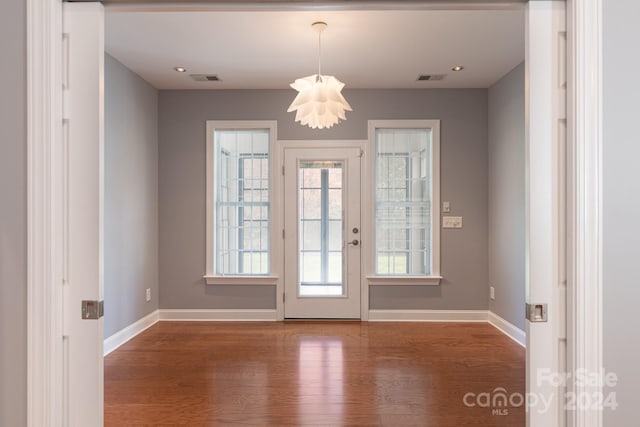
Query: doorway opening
{"points": [[322, 221]]}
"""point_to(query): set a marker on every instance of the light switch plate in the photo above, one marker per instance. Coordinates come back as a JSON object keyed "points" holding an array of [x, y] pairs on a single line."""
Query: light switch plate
{"points": [[446, 207], [451, 222]]}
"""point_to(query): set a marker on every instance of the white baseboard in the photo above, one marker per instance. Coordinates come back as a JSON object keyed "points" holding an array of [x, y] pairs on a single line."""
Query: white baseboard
{"points": [[218, 315], [509, 329], [428, 315], [124, 335]]}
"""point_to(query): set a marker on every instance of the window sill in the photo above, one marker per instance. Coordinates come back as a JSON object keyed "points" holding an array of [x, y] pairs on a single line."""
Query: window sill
{"points": [[404, 280], [241, 280]]}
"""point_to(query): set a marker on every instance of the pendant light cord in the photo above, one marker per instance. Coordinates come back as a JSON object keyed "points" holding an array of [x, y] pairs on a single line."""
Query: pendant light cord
{"points": [[319, 27], [319, 50]]}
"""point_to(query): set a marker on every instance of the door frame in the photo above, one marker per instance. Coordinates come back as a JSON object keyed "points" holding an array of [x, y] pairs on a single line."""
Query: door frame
{"points": [[44, 134], [45, 164], [365, 175], [584, 202]]}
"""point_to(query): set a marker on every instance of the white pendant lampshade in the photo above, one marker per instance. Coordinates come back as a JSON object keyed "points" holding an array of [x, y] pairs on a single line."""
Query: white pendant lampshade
{"points": [[319, 103]]}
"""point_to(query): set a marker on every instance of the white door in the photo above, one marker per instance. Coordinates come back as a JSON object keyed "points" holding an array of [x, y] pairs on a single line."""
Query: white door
{"points": [[82, 233], [545, 196], [322, 232]]}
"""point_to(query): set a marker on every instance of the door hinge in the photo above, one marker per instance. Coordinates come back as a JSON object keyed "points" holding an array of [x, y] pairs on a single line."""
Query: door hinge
{"points": [[282, 170], [283, 233], [536, 312], [361, 153], [92, 309], [283, 297]]}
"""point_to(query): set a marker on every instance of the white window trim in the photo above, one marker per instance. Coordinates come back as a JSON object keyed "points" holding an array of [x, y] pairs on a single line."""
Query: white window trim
{"points": [[379, 280], [210, 276], [241, 280], [369, 262]]}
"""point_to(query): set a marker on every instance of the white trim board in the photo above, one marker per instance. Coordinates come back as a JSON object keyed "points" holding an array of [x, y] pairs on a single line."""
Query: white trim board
{"points": [[45, 327], [222, 315], [585, 336], [509, 329], [428, 315], [259, 315], [131, 331]]}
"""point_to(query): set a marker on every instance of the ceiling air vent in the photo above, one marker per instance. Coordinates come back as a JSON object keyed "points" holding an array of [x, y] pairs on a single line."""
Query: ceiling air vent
{"points": [[430, 77], [205, 78]]}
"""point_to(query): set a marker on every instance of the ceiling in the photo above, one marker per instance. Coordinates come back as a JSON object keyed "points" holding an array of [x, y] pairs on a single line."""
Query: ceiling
{"points": [[268, 49]]}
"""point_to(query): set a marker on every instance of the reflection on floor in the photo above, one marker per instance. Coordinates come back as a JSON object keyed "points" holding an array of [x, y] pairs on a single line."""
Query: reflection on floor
{"points": [[315, 374]]}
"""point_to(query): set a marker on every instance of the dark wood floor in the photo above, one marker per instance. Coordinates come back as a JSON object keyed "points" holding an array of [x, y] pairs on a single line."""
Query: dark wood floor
{"points": [[312, 374]]}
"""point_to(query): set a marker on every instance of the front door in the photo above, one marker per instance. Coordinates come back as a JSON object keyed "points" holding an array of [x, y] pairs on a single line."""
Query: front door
{"points": [[322, 232]]}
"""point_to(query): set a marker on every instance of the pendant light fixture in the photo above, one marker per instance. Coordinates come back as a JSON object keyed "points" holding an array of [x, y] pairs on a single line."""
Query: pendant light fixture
{"points": [[319, 103]]}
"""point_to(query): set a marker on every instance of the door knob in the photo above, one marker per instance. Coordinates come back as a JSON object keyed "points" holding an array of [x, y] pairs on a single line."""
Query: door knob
{"points": [[354, 242]]}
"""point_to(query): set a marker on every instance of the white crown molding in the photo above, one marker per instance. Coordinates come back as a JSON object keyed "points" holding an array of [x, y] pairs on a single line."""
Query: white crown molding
{"points": [[229, 6]]}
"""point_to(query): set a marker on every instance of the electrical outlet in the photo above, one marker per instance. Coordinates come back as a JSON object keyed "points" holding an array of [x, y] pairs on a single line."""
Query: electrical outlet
{"points": [[492, 292], [148, 294]]}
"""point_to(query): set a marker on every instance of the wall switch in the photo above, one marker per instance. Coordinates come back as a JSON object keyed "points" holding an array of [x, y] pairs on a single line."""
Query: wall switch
{"points": [[451, 222], [148, 294], [492, 292], [446, 207]]}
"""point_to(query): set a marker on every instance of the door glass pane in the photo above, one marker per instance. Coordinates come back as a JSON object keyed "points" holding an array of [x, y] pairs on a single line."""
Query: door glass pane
{"points": [[311, 236], [320, 195], [335, 267], [310, 269]]}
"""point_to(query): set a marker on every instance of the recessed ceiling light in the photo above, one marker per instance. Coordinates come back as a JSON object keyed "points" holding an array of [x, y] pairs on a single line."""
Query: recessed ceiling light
{"points": [[180, 69], [457, 68]]}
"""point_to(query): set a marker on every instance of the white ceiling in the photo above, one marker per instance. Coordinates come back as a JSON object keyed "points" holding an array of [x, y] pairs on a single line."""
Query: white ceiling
{"points": [[363, 49]]}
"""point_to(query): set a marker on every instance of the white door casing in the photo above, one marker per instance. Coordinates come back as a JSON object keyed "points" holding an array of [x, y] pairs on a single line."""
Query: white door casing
{"points": [[545, 209], [348, 305], [83, 149], [44, 213], [585, 202]]}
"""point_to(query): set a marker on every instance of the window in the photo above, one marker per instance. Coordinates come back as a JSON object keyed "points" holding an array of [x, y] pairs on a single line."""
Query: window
{"points": [[238, 194], [406, 198]]}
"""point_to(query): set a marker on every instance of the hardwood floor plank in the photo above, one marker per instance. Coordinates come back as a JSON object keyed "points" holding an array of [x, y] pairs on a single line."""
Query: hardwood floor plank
{"points": [[310, 373]]}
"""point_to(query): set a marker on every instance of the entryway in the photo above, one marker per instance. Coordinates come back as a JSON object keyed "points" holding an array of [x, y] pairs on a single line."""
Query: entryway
{"points": [[322, 233]]}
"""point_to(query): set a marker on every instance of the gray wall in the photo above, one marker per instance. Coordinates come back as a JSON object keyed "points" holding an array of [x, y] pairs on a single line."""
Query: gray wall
{"points": [[621, 111], [130, 197], [463, 115], [507, 196], [13, 215]]}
